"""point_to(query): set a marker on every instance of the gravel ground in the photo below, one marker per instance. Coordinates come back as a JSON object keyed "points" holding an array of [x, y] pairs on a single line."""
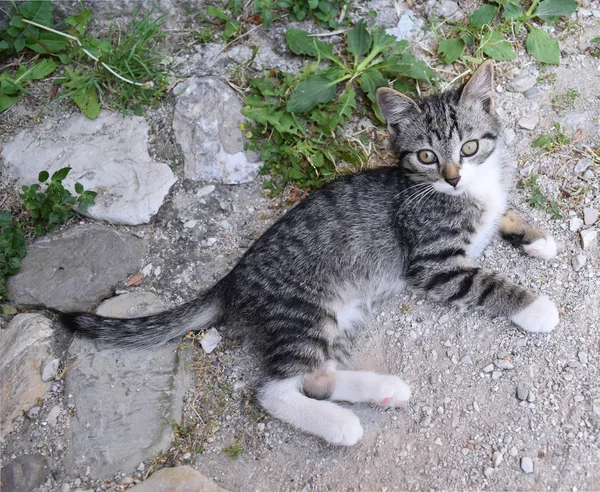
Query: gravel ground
{"points": [[492, 408]]}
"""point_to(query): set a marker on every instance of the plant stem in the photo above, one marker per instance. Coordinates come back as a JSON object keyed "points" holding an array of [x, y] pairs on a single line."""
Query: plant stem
{"points": [[529, 13]]}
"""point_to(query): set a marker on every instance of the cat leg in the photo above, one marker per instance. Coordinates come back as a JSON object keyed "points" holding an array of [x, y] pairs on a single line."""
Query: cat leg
{"points": [[459, 283], [283, 399], [534, 241], [361, 386]]}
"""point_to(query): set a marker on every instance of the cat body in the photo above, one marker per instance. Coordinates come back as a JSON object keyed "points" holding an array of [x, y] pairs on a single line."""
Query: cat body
{"points": [[302, 291]]}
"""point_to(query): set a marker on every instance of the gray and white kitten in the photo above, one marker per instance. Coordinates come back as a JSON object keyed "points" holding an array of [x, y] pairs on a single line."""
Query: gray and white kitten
{"points": [[300, 293]]}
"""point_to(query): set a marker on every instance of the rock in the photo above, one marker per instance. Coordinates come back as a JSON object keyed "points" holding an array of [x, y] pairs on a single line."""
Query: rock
{"points": [[504, 364], [529, 122], [509, 136], [75, 268], [488, 368], [578, 262], [142, 394], [527, 464], [409, 26], [588, 238], [50, 370], [589, 174], [131, 305], [583, 164], [34, 412], [590, 215], [575, 224], [522, 83], [180, 479], [52, 417], [24, 345], [449, 9], [488, 472], [444, 319], [26, 473], [522, 392], [582, 356], [207, 127], [497, 458], [585, 121], [535, 94], [496, 375], [109, 154], [596, 407], [211, 339], [467, 361]]}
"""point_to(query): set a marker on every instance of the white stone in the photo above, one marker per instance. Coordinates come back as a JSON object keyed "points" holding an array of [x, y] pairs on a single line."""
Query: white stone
{"points": [[206, 190], [408, 27], [522, 83], [529, 122], [108, 155], [509, 136], [497, 458], [504, 364], [488, 368], [575, 224], [578, 262], [50, 370], [190, 224], [207, 124], [583, 164], [52, 417], [527, 464], [211, 339], [590, 215], [588, 237]]}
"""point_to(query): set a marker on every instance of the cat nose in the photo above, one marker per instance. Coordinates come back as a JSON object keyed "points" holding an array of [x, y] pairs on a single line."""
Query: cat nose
{"points": [[452, 181]]}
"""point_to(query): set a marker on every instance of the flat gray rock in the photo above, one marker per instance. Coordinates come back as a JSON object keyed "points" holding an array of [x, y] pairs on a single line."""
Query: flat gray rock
{"points": [[180, 479], [25, 345], [108, 154], [585, 121], [24, 474], [125, 400], [74, 269], [207, 123]]}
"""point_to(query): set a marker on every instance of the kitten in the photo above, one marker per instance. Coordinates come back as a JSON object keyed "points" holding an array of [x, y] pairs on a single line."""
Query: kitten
{"points": [[300, 293]]}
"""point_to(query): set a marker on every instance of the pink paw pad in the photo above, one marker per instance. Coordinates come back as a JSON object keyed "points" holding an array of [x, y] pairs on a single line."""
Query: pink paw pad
{"points": [[385, 402], [399, 403]]}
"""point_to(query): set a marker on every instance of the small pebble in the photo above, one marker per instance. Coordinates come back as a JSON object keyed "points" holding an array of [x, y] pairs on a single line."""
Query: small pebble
{"points": [[590, 215], [583, 164], [467, 361], [488, 472], [522, 392], [497, 458], [529, 122], [527, 464], [496, 375], [513, 451], [489, 368], [50, 370], [575, 224], [444, 319], [583, 357], [588, 238], [504, 364], [438, 441], [578, 262], [34, 412]]}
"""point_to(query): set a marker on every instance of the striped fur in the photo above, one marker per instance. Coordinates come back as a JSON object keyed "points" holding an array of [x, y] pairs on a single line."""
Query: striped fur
{"points": [[303, 289]]}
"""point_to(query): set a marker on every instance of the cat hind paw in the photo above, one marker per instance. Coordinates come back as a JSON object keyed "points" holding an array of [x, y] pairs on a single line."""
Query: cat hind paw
{"points": [[541, 316], [391, 392], [345, 431], [544, 248]]}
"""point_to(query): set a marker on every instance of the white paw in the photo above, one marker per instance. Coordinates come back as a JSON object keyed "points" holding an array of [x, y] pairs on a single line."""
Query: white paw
{"points": [[345, 430], [390, 391], [541, 316], [544, 248]]}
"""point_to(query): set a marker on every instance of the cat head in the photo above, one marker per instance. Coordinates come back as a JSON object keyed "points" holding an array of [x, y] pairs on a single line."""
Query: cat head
{"points": [[450, 139]]}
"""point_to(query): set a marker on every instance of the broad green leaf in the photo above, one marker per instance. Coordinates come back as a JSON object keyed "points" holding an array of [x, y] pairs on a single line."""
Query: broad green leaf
{"points": [[3, 45], [14, 263], [78, 188], [482, 16], [495, 46], [8, 101], [38, 11], [315, 90], [512, 11], [347, 102], [87, 101], [595, 40], [43, 176], [451, 49], [370, 81], [313, 4], [543, 47], [300, 43], [20, 43], [359, 40], [216, 12], [80, 21], [49, 43], [42, 69], [551, 9], [545, 141], [410, 67], [61, 174]]}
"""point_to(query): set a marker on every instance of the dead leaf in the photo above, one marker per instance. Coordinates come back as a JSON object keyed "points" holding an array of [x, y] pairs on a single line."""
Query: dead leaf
{"points": [[135, 280]]}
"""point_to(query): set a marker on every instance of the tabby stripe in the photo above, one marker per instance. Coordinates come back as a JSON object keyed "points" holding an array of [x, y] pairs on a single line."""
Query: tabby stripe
{"points": [[444, 277], [514, 238], [403, 154], [486, 292], [440, 255], [489, 136], [465, 287]]}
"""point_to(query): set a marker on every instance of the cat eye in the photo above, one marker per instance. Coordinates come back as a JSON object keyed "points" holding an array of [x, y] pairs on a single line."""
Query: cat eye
{"points": [[426, 156], [469, 148]]}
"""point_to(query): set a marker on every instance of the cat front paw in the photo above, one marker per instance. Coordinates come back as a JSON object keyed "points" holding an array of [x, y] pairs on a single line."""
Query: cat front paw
{"points": [[541, 316], [345, 430], [391, 391], [544, 248]]}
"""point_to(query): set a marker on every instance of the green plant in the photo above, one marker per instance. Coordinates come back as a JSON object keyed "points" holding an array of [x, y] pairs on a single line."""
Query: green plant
{"points": [[299, 119], [552, 140], [326, 12], [125, 71], [204, 36], [229, 15], [540, 201], [485, 32], [596, 53], [55, 204], [12, 248], [565, 99], [234, 450]]}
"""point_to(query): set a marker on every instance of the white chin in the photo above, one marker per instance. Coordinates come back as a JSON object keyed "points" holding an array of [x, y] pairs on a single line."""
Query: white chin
{"points": [[448, 189]]}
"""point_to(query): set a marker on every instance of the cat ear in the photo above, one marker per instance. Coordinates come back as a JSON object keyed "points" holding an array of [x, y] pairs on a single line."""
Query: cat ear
{"points": [[479, 88], [395, 106]]}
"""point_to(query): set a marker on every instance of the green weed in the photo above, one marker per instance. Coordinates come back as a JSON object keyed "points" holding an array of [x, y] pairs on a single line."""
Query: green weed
{"points": [[540, 201], [487, 28], [299, 118], [234, 450], [12, 249], [125, 71], [552, 140], [565, 99]]}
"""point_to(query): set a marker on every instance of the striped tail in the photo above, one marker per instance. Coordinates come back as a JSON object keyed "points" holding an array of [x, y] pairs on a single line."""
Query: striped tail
{"points": [[147, 331]]}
